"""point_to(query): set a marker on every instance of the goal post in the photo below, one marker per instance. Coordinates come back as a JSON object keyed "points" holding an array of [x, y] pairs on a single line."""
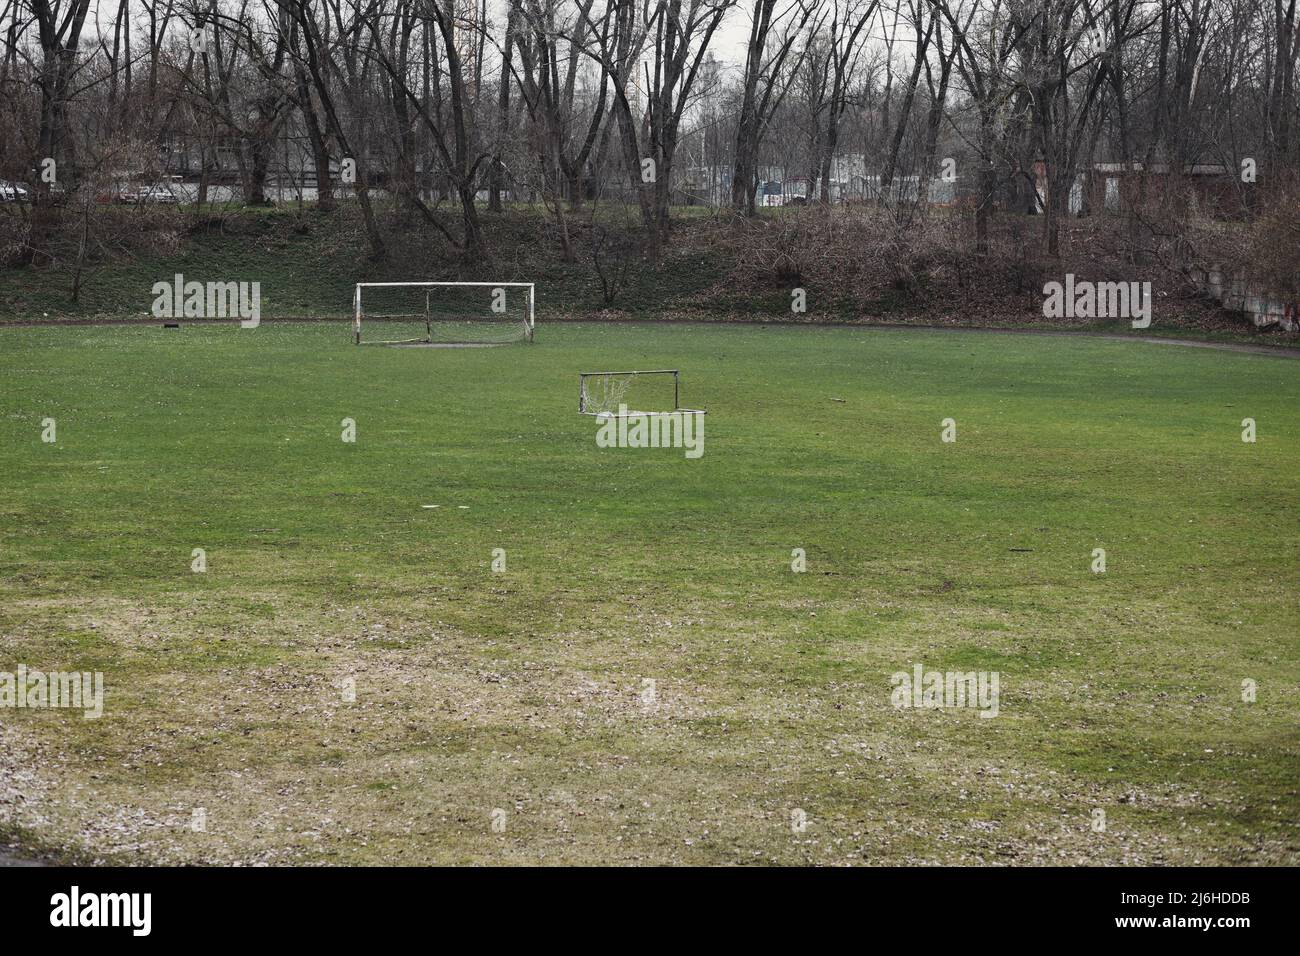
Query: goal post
{"points": [[443, 313], [638, 392]]}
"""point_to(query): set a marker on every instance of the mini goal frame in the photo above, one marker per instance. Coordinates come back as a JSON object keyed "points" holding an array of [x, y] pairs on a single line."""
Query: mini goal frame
{"points": [[598, 390]]}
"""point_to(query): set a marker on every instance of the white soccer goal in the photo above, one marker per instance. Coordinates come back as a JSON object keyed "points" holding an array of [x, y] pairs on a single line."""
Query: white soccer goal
{"points": [[623, 394], [443, 313]]}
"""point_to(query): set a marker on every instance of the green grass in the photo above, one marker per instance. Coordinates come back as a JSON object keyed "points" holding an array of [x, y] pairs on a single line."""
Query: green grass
{"points": [[522, 690]]}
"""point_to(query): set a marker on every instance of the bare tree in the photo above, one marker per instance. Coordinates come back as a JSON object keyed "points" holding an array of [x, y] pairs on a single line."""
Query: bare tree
{"points": [[767, 80], [984, 65], [550, 55], [923, 37], [676, 35], [460, 153], [319, 60], [843, 47], [58, 24], [938, 93]]}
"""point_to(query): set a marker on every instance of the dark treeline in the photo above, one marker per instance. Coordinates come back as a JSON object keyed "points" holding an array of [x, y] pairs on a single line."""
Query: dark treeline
{"points": [[446, 108]]}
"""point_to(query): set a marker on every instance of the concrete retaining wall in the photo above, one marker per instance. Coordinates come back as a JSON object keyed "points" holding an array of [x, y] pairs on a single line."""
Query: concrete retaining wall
{"points": [[1237, 294]]}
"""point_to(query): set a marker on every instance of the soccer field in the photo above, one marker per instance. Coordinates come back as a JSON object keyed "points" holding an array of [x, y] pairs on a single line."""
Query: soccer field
{"points": [[648, 679]]}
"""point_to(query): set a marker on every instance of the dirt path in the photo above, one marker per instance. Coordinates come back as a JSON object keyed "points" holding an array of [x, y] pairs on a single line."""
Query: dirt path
{"points": [[1282, 351]]}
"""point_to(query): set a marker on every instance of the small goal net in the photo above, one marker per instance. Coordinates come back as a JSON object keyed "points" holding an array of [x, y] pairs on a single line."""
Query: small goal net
{"points": [[623, 394], [443, 313]]}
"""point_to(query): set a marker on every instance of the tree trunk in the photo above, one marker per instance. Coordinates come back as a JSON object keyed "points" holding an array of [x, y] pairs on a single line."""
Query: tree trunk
{"points": [[933, 121], [828, 153], [320, 153], [59, 42], [905, 113], [259, 163], [497, 174]]}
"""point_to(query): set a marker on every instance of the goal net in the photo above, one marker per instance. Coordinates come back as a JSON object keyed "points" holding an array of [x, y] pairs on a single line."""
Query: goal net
{"points": [[443, 313], [647, 392]]}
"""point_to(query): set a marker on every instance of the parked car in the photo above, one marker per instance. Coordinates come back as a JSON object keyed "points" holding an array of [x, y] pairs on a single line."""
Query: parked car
{"points": [[151, 193], [12, 192]]}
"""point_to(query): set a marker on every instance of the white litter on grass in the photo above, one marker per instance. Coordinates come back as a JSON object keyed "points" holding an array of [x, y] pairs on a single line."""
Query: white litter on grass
{"points": [[430, 506], [463, 507]]}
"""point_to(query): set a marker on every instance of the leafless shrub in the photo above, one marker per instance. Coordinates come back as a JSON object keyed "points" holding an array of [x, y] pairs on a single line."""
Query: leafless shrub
{"points": [[1024, 254], [15, 233], [1262, 251], [1275, 240], [843, 252]]}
